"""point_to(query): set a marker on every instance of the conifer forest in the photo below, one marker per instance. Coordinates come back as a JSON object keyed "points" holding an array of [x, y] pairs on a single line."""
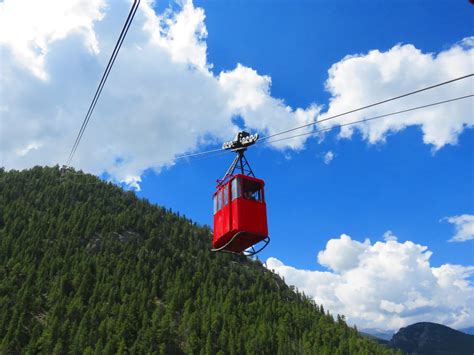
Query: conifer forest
{"points": [[88, 268]]}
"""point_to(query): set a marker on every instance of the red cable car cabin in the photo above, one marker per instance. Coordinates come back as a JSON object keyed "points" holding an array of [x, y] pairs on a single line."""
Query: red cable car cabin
{"points": [[240, 214]]}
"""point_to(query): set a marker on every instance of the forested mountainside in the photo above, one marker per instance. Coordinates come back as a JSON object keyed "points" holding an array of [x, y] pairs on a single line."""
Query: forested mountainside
{"points": [[87, 268]]}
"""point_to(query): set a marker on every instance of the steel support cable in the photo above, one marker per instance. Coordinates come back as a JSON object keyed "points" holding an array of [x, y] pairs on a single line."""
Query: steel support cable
{"points": [[369, 119], [368, 106], [343, 114], [214, 154], [199, 153], [110, 64], [221, 151], [104, 77]]}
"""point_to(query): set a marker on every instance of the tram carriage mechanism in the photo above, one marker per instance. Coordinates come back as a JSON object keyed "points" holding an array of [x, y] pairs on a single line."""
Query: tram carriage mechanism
{"points": [[240, 212]]}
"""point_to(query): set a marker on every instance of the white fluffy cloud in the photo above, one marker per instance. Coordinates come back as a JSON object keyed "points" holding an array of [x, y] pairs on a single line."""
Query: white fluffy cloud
{"points": [[328, 157], [464, 227], [385, 285], [358, 80], [161, 99], [27, 28]]}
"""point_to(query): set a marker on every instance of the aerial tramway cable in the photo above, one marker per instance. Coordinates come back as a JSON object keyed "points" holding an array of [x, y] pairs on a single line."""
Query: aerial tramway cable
{"points": [[110, 64], [218, 152], [201, 153], [371, 118], [368, 106], [261, 140]]}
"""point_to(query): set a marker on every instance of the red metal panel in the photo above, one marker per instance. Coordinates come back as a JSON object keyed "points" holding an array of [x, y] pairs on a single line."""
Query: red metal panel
{"points": [[252, 216], [222, 220], [226, 211]]}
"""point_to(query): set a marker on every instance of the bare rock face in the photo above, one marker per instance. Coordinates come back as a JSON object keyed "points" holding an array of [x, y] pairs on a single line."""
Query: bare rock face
{"points": [[432, 339]]}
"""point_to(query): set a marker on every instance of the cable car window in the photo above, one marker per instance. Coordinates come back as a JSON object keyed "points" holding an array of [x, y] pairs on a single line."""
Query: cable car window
{"points": [[219, 200], [252, 190], [215, 203], [226, 195], [236, 190]]}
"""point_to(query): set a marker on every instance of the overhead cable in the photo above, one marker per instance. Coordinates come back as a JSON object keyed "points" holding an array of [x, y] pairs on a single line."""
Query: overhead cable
{"points": [[261, 140], [368, 119], [198, 154], [367, 106], [110, 64], [223, 151]]}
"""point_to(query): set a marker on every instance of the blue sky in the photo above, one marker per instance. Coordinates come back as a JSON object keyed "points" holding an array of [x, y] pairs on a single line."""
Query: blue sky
{"points": [[365, 191], [190, 74], [296, 43], [400, 185]]}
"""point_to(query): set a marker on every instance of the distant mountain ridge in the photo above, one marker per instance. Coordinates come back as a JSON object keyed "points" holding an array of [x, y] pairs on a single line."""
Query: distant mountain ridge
{"points": [[378, 333], [469, 330], [432, 339]]}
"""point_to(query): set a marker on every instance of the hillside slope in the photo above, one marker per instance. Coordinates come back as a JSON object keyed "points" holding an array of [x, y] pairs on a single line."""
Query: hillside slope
{"points": [[432, 339], [88, 268]]}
